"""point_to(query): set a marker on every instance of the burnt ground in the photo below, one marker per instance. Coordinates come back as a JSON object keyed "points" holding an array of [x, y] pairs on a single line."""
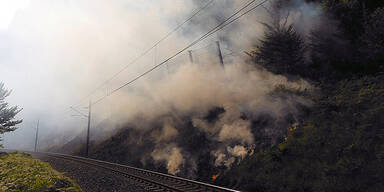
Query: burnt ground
{"points": [[91, 179]]}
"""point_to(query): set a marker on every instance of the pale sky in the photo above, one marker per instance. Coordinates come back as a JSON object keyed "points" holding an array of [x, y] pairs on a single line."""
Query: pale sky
{"points": [[54, 52], [8, 9]]}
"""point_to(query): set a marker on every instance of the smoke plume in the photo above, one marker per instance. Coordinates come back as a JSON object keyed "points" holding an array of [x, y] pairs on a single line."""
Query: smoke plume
{"points": [[184, 114]]}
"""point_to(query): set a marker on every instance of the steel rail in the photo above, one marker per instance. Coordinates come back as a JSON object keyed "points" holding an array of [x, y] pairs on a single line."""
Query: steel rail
{"points": [[162, 185], [159, 181]]}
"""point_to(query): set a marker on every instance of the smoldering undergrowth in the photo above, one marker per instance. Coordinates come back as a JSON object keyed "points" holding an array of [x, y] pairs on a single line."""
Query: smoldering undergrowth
{"points": [[204, 114]]}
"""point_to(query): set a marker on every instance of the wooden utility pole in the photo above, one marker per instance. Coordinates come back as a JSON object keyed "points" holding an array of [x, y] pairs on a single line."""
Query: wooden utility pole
{"points": [[37, 135], [89, 126], [219, 53], [190, 56]]}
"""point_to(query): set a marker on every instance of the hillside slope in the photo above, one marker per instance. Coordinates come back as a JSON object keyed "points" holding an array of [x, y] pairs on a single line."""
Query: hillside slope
{"points": [[340, 147]]}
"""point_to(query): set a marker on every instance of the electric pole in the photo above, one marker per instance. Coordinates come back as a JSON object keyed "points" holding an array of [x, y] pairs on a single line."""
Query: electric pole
{"points": [[89, 126], [2, 140], [37, 135], [190, 56], [219, 53], [89, 123]]}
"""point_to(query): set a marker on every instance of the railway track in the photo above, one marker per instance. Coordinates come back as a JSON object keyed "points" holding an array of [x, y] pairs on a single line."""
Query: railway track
{"points": [[150, 180]]}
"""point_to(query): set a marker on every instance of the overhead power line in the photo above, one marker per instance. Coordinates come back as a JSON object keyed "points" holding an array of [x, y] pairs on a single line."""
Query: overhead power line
{"points": [[236, 18], [147, 50], [220, 26]]}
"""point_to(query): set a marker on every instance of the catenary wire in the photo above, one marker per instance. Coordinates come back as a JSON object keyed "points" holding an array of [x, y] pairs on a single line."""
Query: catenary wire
{"points": [[210, 32], [146, 51]]}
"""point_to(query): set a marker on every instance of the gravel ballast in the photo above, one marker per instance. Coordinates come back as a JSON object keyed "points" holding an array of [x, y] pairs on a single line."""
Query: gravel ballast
{"points": [[90, 178]]}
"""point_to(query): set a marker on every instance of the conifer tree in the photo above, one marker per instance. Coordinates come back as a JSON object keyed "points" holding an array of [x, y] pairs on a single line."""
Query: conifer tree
{"points": [[7, 113], [281, 50]]}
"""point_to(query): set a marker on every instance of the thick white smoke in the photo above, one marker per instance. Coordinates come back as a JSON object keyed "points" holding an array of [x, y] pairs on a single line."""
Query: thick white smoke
{"points": [[60, 49], [192, 91], [55, 51], [171, 154]]}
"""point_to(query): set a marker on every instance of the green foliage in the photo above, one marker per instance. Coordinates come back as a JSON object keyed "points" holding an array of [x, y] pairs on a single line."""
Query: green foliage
{"points": [[357, 45], [281, 51], [350, 13], [330, 53], [340, 146], [373, 40], [349, 41], [19, 172], [7, 114], [367, 5]]}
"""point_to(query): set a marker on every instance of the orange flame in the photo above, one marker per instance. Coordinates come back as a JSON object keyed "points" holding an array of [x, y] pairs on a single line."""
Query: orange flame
{"points": [[214, 177]]}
